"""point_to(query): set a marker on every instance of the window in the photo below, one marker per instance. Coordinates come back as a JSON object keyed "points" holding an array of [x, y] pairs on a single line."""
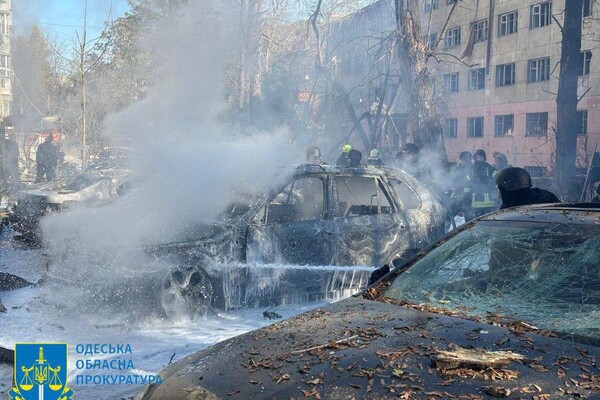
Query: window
{"points": [[503, 125], [450, 128], [475, 127], [433, 39], [477, 79], [582, 118], [540, 15], [361, 195], [538, 70], [507, 23], [450, 1], [302, 200], [505, 74], [587, 8], [537, 124], [452, 38], [480, 31], [4, 24], [451, 82], [407, 196], [585, 59], [431, 5]]}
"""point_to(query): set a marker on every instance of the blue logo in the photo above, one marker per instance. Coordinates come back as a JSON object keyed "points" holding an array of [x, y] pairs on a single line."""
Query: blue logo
{"points": [[40, 372]]}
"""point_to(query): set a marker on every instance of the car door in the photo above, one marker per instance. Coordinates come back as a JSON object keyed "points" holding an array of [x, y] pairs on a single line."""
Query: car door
{"points": [[422, 214], [369, 227], [292, 227]]}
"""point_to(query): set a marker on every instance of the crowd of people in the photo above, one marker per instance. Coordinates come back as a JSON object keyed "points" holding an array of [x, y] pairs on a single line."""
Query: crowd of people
{"points": [[470, 188]]}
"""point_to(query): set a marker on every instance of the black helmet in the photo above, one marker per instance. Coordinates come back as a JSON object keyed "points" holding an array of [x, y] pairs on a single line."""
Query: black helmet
{"points": [[478, 153], [410, 148], [513, 178], [464, 156]]}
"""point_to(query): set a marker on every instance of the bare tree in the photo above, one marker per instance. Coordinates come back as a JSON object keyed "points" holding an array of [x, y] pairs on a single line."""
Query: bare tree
{"points": [[418, 82], [567, 125]]}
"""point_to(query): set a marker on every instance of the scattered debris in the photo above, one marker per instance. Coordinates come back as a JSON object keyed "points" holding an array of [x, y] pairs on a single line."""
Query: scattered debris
{"points": [[271, 314], [12, 282], [473, 359], [7, 355]]}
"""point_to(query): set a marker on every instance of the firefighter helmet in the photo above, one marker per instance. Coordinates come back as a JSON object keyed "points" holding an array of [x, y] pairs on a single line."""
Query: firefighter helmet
{"points": [[479, 153], [513, 178]]}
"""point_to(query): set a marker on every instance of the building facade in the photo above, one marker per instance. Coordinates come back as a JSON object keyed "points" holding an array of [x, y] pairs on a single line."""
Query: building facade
{"points": [[497, 65], [5, 58]]}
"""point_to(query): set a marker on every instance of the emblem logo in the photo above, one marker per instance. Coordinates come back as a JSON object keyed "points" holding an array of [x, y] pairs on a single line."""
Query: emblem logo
{"points": [[40, 372]]}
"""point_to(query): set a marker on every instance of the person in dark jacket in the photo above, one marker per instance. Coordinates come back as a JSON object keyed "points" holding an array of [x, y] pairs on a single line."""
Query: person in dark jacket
{"points": [[354, 157], [343, 159], [46, 159], [515, 189], [481, 193]]}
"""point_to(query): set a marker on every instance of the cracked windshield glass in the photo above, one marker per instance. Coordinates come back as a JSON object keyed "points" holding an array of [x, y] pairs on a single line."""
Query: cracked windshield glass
{"points": [[544, 274]]}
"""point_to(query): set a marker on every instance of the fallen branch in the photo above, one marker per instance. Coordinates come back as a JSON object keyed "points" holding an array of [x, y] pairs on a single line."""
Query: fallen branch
{"points": [[324, 345]]}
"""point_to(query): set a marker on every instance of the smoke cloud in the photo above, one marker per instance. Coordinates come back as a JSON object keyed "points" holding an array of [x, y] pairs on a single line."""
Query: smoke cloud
{"points": [[189, 163]]}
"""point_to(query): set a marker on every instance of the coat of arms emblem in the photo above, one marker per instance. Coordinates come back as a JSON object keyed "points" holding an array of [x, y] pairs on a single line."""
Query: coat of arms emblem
{"points": [[40, 372]]}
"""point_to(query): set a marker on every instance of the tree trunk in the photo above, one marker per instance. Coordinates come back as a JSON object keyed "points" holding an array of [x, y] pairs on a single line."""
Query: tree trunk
{"points": [[566, 101], [418, 83]]}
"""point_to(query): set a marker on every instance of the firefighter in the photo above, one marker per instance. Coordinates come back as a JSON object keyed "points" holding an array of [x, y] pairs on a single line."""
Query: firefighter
{"points": [[343, 160], [354, 157], [481, 193], [375, 158], [313, 156], [515, 189], [460, 185]]}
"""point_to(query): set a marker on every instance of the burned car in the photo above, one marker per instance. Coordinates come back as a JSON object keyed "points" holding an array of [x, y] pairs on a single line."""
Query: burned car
{"points": [[97, 185], [505, 306], [319, 216]]}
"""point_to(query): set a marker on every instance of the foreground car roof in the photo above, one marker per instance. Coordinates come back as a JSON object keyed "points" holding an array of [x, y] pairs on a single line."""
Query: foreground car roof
{"points": [[368, 350], [573, 213]]}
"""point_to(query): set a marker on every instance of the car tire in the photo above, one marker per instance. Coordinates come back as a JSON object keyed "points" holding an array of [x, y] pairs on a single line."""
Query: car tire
{"points": [[186, 292]]}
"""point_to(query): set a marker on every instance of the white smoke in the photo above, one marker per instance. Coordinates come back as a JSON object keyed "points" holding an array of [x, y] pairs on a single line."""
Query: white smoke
{"points": [[189, 163]]}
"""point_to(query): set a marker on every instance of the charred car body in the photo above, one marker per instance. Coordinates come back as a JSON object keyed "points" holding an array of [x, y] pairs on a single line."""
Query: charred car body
{"points": [[505, 306], [97, 185], [320, 216]]}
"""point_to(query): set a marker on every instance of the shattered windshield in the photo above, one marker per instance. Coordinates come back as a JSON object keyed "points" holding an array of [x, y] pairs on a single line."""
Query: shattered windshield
{"points": [[544, 274]]}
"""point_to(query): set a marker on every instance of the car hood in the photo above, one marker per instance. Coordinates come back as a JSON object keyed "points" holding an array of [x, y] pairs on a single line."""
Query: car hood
{"points": [[89, 185], [358, 348]]}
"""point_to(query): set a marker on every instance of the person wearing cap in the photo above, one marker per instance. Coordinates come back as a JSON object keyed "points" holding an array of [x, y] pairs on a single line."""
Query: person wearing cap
{"points": [[374, 158], [343, 160], [515, 189]]}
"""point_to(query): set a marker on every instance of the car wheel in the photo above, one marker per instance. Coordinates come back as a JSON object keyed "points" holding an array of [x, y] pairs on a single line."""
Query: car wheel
{"points": [[186, 293]]}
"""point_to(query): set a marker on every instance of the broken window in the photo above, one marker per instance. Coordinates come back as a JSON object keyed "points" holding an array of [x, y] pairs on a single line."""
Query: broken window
{"points": [[503, 125], [301, 200], [406, 195], [361, 195], [546, 274], [537, 124], [480, 31]]}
